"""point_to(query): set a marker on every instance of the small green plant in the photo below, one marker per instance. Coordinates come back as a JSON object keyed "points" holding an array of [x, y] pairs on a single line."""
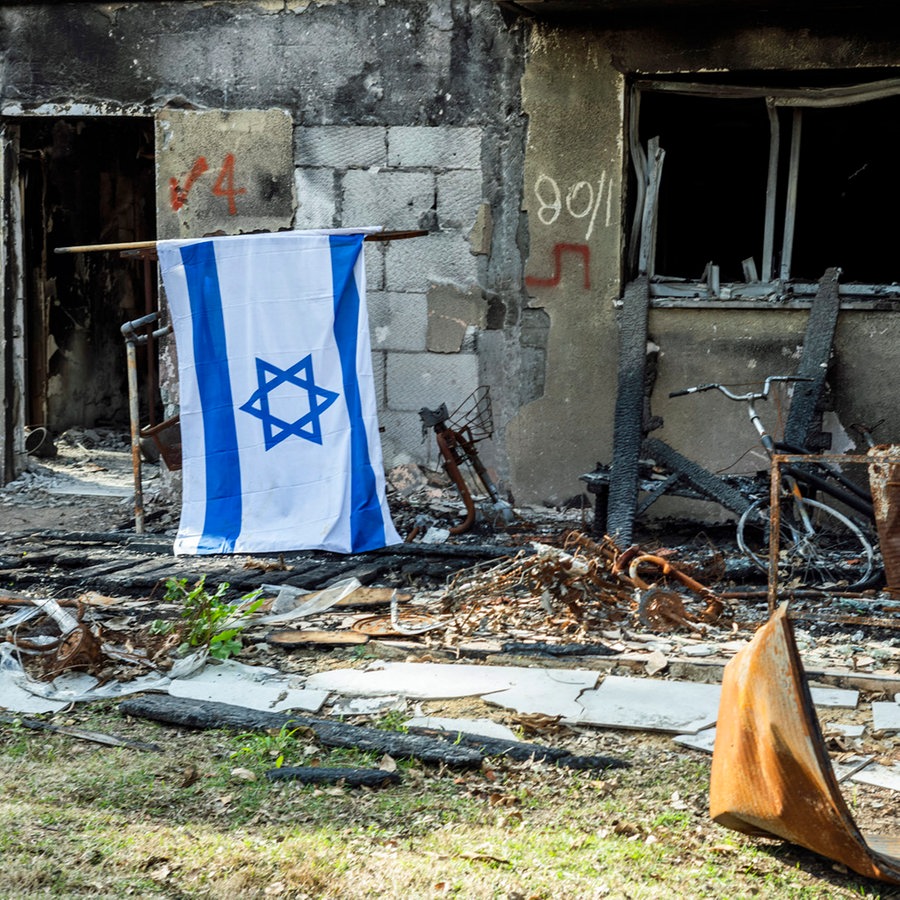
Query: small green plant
{"points": [[268, 748], [210, 621], [393, 720]]}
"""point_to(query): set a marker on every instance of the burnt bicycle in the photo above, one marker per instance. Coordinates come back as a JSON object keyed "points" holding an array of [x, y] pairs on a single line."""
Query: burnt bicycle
{"points": [[819, 544]]}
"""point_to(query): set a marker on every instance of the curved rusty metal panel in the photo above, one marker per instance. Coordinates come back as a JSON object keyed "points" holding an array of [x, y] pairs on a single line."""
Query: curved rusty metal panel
{"points": [[771, 775]]}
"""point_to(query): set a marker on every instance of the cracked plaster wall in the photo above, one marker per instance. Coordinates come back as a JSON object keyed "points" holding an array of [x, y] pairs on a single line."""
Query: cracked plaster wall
{"points": [[574, 96]]}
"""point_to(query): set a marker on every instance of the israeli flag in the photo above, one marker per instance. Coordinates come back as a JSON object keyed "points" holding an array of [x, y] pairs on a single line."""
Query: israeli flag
{"points": [[279, 428]]}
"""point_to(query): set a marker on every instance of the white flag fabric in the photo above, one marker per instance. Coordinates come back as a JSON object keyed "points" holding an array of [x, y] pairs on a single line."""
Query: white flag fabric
{"points": [[279, 428]]}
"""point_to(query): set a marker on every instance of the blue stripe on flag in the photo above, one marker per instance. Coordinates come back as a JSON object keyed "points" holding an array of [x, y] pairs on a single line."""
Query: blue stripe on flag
{"points": [[222, 522], [366, 522]]}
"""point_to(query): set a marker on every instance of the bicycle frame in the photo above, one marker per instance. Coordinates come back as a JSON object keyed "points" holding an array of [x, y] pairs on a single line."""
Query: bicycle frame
{"points": [[805, 535], [457, 447]]}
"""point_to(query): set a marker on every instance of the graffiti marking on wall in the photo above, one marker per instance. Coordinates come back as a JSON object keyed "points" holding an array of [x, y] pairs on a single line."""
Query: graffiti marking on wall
{"points": [[581, 250], [223, 187], [582, 201]]}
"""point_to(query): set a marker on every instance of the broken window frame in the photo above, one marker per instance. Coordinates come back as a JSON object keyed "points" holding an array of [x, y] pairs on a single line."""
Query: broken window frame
{"points": [[768, 285]]}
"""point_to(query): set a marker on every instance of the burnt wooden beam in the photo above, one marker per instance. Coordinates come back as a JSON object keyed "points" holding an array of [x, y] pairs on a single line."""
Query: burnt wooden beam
{"points": [[705, 482], [188, 713], [332, 775], [628, 424], [522, 751], [804, 421]]}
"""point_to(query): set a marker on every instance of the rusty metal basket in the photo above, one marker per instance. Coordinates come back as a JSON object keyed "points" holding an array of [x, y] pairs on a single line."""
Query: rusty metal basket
{"points": [[474, 415]]}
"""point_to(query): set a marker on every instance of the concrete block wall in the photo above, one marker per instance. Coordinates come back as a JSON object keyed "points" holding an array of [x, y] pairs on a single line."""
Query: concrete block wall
{"points": [[406, 177]]}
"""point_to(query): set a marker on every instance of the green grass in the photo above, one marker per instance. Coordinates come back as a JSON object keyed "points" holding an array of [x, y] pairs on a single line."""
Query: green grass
{"points": [[79, 820]]}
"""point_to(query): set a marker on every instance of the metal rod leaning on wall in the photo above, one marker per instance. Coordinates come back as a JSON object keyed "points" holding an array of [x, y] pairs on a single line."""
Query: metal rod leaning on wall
{"points": [[132, 339]]}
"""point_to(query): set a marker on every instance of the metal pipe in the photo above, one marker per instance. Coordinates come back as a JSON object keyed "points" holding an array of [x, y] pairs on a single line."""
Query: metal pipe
{"points": [[452, 466], [134, 414], [774, 533]]}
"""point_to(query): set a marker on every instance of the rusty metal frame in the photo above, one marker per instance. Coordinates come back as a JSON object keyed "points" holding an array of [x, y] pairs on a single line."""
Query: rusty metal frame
{"points": [[777, 460]]}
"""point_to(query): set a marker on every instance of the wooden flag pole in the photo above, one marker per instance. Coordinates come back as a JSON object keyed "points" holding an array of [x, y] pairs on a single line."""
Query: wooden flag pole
{"points": [[150, 245]]}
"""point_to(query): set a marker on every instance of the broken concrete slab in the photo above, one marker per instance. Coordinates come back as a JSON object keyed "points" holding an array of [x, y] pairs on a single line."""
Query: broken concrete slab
{"points": [[879, 776], [484, 727], [677, 707], [253, 687], [436, 681], [17, 699], [366, 706], [886, 716], [850, 766], [844, 729], [834, 697], [703, 740], [551, 692]]}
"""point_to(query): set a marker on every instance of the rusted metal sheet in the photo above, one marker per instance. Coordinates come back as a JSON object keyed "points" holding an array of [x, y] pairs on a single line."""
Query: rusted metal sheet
{"points": [[884, 479], [771, 775]]}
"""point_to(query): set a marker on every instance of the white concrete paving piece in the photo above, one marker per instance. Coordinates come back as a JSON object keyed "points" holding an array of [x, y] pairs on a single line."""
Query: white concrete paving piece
{"points": [[550, 692], [365, 706], [839, 698], [703, 740], [879, 776], [885, 715], [850, 766], [483, 727], [16, 699], [677, 707], [255, 687], [505, 685], [845, 729]]}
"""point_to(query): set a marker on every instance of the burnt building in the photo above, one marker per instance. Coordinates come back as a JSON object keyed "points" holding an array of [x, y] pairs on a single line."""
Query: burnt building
{"points": [[713, 160]]}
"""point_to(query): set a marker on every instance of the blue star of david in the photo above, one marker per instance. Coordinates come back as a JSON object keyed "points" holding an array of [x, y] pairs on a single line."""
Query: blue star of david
{"points": [[308, 426]]}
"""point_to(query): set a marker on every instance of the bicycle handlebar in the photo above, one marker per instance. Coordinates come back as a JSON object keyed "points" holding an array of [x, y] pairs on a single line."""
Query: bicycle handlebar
{"points": [[751, 395]]}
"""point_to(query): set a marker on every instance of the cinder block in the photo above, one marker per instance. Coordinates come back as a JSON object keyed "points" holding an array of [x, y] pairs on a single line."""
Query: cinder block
{"points": [[374, 256], [459, 196], [402, 441], [315, 198], [451, 316], [378, 369], [398, 321], [340, 146], [415, 380], [439, 147], [393, 199], [437, 258]]}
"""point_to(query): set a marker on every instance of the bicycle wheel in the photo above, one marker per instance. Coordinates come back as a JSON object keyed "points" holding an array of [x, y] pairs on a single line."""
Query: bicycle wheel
{"points": [[830, 552]]}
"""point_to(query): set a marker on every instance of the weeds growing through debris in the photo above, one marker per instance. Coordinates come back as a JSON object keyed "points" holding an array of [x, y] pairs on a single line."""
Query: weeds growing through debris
{"points": [[209, 620], [269, 750], [393, 720]]}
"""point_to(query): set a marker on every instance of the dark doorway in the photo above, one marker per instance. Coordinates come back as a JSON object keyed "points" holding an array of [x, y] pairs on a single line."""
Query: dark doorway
{"points": [[85, 182]]}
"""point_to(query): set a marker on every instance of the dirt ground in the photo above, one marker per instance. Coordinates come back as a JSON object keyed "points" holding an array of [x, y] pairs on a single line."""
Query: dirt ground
{"points": [[85, 483]]}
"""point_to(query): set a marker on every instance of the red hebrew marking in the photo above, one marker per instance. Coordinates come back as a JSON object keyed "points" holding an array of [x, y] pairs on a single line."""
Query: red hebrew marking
{"points": [[177, 194], [581, 250], [224, 186]]}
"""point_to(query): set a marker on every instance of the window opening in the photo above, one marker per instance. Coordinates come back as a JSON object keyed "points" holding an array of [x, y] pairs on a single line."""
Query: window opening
{"points": [[760, 189]]}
